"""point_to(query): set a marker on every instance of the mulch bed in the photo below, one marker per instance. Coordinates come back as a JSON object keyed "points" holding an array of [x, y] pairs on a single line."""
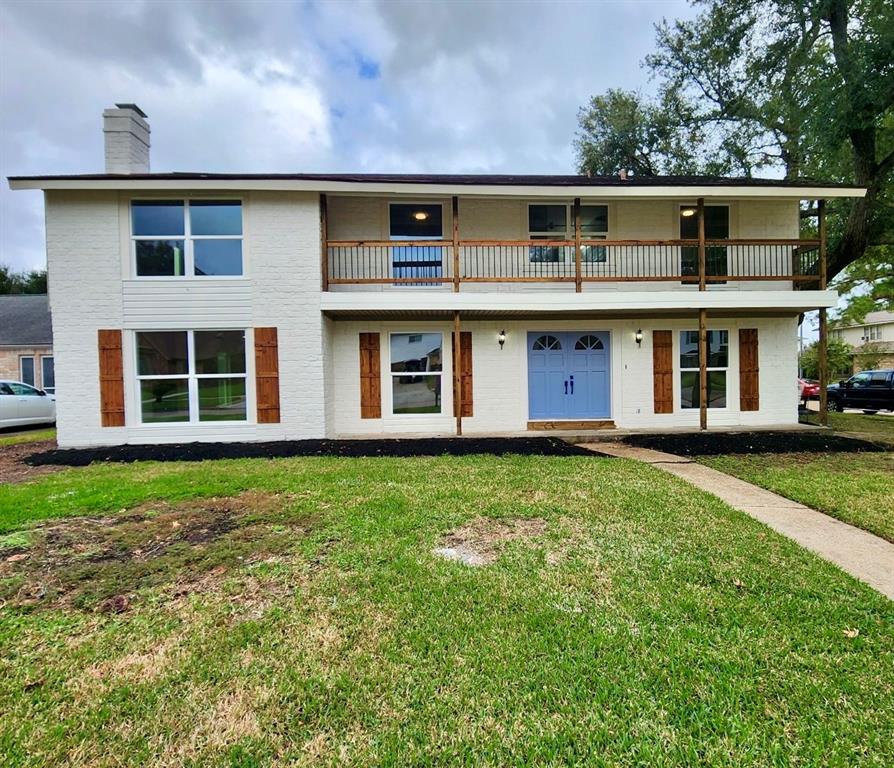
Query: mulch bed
{"points": [[464, 446], [719, 443], [13, 468]]}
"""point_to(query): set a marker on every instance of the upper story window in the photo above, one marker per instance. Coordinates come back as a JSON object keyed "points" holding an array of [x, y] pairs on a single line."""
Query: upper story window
{"points": [[716, 228], [872, 332], [187, 238], [416, 221], [550, 221]]}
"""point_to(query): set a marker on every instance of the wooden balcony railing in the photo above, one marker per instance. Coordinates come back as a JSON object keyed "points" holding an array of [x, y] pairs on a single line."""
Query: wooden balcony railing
{"points": [[445, 262]]}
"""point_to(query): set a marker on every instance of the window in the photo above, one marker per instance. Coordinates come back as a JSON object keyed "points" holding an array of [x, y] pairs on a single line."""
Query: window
{"points": [[176, 238], [879, 379], [48, 373], [716, 228], [718, 362], [26, 369], [23, 390], [556, 222], [191, 376], [588, 342], [416, 371], [860, 381], [872, 332], [546, 342]]}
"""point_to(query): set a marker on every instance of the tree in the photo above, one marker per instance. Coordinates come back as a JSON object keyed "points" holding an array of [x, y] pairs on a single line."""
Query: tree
{"points": [[34, 281], [867, 285], [839, 356], [805, 87]]}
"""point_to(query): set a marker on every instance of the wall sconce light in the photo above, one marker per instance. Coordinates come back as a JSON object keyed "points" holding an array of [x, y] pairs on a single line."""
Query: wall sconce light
{"points": [[501, 338], [638, 336]]}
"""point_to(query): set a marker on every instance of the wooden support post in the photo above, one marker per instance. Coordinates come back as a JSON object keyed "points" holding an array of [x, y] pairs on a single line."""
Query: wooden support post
{"points": [[455, 244], [324, 243], [702, 257], [577, 248], [703, 369], [823, 320], [457, 379]]}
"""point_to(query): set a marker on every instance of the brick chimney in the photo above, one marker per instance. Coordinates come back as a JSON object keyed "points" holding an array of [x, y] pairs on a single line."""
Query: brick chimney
{"points": [[126, 139]]}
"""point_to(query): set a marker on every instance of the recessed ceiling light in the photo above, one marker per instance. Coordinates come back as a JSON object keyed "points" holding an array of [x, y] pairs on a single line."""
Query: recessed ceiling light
{"points": [[420, 215]]}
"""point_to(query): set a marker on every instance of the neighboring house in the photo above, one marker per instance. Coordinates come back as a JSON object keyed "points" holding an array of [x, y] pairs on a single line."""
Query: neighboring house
{"points": [[872, 340], [192, 306], [26, 341]]}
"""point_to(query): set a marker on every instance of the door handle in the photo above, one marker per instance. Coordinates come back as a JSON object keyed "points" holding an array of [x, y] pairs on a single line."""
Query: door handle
{"points": [[566, 386], [572, 384]]}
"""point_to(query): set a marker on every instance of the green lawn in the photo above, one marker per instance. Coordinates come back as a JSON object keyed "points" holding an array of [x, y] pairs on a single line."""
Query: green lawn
{"points": [[875, 427], [291, 612], [27, 437]]}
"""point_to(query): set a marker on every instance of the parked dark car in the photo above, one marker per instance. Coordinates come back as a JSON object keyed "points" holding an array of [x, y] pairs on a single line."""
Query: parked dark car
{"points": [[871, 391]]}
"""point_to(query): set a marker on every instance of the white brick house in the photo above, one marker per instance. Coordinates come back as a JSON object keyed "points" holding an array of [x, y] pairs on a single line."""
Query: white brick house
{"points": [[221, 307]]}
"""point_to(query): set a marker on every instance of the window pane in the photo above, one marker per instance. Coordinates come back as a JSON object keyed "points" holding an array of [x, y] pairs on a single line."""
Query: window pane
{"points": [[716, 223], [217, 257], [48, 372], [689, 349], [23, 390], [164, 400], [594, 218], [546, 254], [547, 218], [27, 369], [718, 349], [416, 394], [219, 217], [161, 353], [418, 221], [222, 399], [689, 389], [160, 258], [220, 351], [160, 217], [415, 352]]}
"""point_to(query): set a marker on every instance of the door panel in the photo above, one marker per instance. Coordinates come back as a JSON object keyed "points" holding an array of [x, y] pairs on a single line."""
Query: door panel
{"points": [[546, 376], [588, 370]]}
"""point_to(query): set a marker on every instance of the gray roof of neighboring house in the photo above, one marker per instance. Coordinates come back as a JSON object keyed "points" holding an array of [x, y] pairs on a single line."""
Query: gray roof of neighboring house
{"points": [[872, 318], [25, 320]]}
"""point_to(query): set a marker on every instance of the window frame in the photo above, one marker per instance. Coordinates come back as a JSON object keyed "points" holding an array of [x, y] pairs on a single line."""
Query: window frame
{"points": [[568, 255], [43, 377], [681, 369], [872, 332], [711, 279], [398, 239], [392, 374], [187, 236], [192, 378], [33, 359]]}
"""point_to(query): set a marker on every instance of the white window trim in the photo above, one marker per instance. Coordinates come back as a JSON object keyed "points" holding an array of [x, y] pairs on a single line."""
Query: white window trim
{"points": [[391, 374], [534, 234], [681, 370], [43, 380], [33, 359], [192, 378], [187, 237]]}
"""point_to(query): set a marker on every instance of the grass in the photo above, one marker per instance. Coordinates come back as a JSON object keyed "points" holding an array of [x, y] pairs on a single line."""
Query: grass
{"points": [[876, 427], [27, 437], [291, 612]]}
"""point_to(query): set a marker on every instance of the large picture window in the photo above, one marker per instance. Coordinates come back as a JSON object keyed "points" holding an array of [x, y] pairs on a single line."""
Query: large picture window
{"points": [[191, 376], [718, 363], [716, 228], [549, 221], [416, 371], [416, 221], [178, 238]]}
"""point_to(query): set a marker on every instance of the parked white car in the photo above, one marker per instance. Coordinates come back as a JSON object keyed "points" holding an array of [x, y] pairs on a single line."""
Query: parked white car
{"points": [[22, 404]]}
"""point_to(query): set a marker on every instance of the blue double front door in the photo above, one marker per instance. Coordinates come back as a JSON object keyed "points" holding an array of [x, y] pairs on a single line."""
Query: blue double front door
{"points": [[568, 375]]}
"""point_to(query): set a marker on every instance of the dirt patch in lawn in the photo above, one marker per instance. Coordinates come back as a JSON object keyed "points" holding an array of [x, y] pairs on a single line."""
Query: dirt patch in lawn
{"points": [[481, 541], [13, 466], [100, 563], [442, 446], [720, 443]]}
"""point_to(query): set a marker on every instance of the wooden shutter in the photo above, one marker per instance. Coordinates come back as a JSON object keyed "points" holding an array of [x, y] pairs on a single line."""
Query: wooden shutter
{"points": [[111, 378], [370, 377], [267, 375], [463, 399], [663, 371], [749, 379]]}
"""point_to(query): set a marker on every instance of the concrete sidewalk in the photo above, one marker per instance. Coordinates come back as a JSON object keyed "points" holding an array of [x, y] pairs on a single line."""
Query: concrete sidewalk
{"points": [[863, 555]]}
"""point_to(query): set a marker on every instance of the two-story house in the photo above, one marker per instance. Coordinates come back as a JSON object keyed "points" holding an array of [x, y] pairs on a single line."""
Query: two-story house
{"points": [[872, 340], [225, 307]]}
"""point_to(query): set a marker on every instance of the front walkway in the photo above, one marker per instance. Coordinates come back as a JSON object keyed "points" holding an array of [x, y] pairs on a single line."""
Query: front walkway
{"points": [[863, 555]]}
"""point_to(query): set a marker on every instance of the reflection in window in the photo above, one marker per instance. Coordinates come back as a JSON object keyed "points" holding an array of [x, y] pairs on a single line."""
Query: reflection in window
{"points": [[550, 221], [717, 364], [716, 228], [416, 372]]}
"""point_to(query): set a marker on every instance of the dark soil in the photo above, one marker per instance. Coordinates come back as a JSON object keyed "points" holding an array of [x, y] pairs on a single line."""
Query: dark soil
{"points": [[449, 446], [720, 443], [13, 468]]}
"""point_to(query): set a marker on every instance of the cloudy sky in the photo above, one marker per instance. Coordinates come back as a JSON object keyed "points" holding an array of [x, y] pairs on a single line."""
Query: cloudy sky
{"points": [[395, 86]]}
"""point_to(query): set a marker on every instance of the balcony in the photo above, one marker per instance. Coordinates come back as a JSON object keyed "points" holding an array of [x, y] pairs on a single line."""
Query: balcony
{"points": [[794, 264]]}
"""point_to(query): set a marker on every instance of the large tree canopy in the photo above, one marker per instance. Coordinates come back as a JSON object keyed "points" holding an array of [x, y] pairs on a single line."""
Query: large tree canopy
{"points": [[22, 282], [805, 87]]}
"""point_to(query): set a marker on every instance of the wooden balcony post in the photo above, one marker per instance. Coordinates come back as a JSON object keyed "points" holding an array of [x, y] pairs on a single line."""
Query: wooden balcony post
{"points": [[324, 243], [823, 356], [577, 248], [703, 369], [702, 258], [457, 377], [455, 208]]}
